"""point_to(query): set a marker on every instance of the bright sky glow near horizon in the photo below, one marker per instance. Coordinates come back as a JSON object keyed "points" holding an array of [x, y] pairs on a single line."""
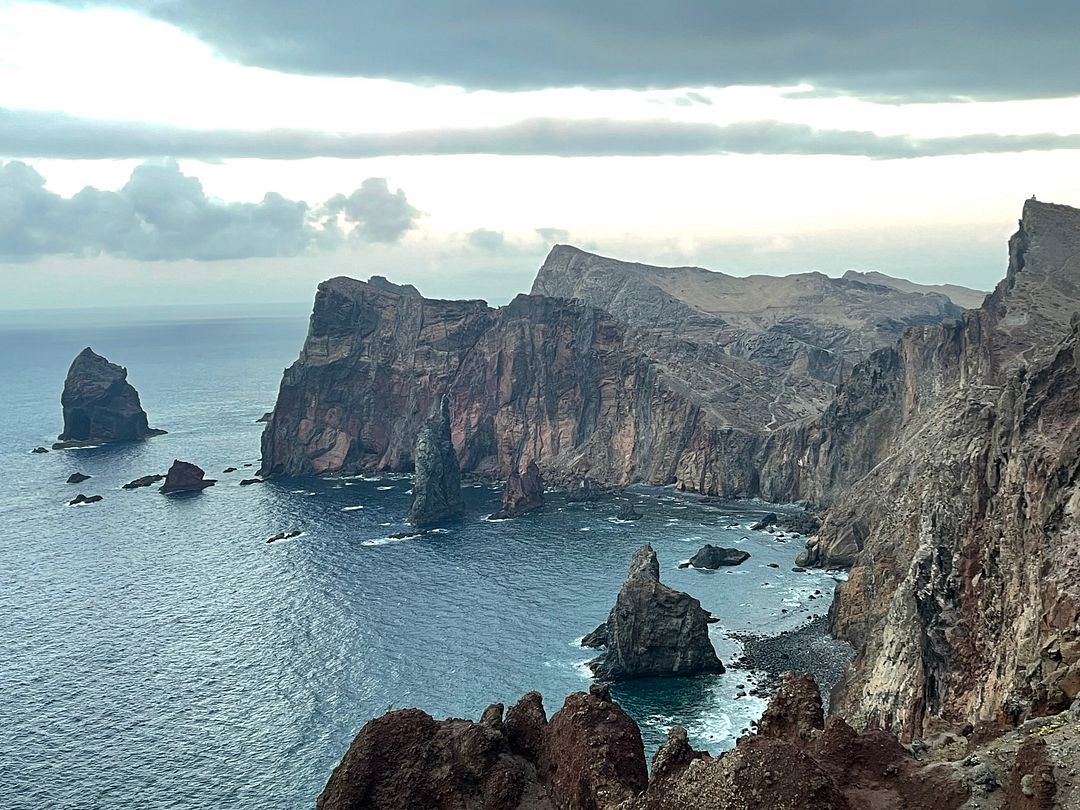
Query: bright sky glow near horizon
{"points": [[245, 156]]}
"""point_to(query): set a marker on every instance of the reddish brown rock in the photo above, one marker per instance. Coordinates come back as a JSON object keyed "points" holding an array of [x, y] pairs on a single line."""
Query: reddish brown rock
{"points": [[795, 711], [1031, 785], [523, 492], [589, 757], [183, 476]]}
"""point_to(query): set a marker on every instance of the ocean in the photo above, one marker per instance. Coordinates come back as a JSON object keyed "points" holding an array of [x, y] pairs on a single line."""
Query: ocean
{"points": [[158, 653]]}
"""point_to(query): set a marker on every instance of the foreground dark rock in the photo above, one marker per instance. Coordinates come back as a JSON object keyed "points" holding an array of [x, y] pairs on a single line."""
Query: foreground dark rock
{"points": [[654, 630], [710, 556], [100, 405], [81, 499], [523, 492], [183, 476], [589, 756], [77, 478], [144, 481], [437, 482]]}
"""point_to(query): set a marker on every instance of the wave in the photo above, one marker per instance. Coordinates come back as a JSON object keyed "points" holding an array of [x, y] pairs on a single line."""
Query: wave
{"points": [[351, 508]]}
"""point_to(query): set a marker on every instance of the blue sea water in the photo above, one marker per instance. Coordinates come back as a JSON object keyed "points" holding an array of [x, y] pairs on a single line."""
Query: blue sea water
{"points": [[156, 652]]}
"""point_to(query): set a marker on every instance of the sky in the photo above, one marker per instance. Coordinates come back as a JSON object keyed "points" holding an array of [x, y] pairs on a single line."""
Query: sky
{"points": [[200, 151]]}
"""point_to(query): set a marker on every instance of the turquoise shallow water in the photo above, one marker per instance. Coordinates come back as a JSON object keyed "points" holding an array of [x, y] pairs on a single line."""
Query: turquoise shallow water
{"points": [[159, 654]]}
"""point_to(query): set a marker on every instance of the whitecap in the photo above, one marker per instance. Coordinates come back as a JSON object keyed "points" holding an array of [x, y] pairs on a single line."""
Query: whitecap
{"points": [[584, 529], [383, 489], [351, 508], [383, 541]]}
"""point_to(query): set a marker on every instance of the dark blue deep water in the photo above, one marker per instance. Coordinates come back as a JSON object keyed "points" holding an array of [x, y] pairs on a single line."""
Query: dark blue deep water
{"points": [[155, 652]]}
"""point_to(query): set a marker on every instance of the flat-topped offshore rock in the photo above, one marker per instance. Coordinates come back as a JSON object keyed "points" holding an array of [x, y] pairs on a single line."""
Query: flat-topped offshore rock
{"points": [[654, 630], [100, 405], [183, 476]]}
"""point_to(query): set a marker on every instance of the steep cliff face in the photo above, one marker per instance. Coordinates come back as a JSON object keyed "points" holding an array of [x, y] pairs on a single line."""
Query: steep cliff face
{"points": [[952, 472]]}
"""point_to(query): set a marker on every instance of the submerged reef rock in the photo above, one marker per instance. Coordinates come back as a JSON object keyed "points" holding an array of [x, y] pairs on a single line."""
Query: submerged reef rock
{"points": [[100, 405], [184, 476], [654, 630], [523, 492], [437, 483]]}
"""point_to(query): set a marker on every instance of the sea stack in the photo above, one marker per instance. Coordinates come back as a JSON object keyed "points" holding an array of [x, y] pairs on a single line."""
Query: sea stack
{"points": [[523, 492], [654, 630], [437, 484], [184, 476], [100, 405]]}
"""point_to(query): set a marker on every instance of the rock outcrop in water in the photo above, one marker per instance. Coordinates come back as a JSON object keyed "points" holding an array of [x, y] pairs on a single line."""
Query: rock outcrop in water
{"points": [[100, 405], [437, 483], [710, 556], [523, 492], [654, 630], [183, 476], [588, 756]]}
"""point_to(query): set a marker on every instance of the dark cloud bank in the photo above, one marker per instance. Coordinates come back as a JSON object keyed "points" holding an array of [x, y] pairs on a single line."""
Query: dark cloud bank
{"points": [[916, 49], [27, 133], [163, 214]]}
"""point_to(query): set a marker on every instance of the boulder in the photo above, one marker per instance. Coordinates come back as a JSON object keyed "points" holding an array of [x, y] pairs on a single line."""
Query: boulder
{"points": [[39, 450], [523, 492], [77, 478], [710, 556], [100, 405], [249, 481], [654, 630], [184, 476], [144, 481], [628, 512], [437, 482]]}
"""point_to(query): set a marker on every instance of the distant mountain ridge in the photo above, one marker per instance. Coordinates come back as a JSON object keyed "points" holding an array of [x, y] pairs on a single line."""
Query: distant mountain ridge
{"points": [[963, 297]]}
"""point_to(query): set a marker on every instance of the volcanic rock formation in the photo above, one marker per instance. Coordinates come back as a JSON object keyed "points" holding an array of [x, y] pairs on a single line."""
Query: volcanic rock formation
{"points": [[437, 483], [523, 492], [183, 476], [964, 598], [100, 405], [681, 396], [654, 630], [588, 756], [710, 556]]}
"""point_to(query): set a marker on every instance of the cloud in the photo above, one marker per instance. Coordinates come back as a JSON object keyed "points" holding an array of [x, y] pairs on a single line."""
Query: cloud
{"points": [[553, 235], [28, 133], [921, 48], [379, 214], [163, 214], [482, 238]]}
